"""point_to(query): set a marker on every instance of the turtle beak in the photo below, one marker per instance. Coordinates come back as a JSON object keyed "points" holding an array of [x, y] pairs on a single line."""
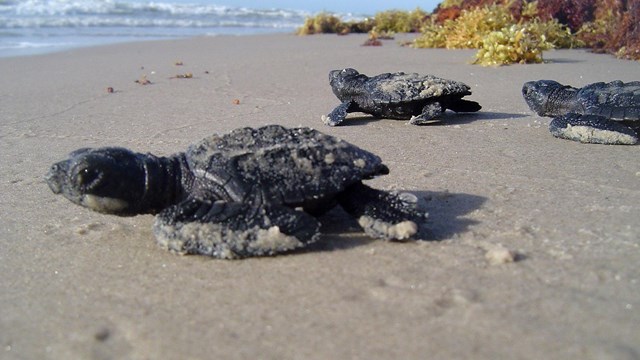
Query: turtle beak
{"points": [[55, 176], [333, 76]]}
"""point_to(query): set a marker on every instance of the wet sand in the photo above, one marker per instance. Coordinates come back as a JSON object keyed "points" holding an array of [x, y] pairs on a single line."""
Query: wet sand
{"points": [[497, 185]]}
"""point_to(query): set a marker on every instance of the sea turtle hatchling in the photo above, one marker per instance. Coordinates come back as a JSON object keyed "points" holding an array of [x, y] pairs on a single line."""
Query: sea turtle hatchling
{"points": [[250, 192], [418, 98], [601, 113]]}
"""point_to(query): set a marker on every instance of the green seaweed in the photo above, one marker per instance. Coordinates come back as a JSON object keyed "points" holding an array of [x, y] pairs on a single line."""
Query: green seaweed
{"points": [[466, 31], [514, 44], [499, 36]]}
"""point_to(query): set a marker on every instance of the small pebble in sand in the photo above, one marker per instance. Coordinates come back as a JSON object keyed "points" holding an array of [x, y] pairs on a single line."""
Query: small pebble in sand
{"points": [[500, 255], [102, 334], [110, 90], [236, 101]]}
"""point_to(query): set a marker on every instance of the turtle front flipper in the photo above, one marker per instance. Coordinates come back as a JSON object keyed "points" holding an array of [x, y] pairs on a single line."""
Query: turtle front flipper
{"points": [[230, 230], [381, 214], [338, 114], [592, 129]]}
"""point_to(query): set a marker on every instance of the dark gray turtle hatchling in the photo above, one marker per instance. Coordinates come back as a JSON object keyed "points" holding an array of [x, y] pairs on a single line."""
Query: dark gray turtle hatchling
{"points": [[418, 98], [600, 113], [250, 192]]}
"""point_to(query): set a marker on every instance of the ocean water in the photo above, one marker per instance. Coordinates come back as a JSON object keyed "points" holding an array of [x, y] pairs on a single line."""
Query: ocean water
{"points": [[30, 27]]}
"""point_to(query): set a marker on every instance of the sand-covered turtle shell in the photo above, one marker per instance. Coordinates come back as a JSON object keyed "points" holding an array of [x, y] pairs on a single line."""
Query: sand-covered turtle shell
{"points": [[615, 100], [392, 88], [286, 166]]}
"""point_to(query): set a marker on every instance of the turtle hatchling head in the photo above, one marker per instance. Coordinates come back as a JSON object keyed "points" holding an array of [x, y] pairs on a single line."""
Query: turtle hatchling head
{"points": [[107, 180], [539, 95], [345, 82]]}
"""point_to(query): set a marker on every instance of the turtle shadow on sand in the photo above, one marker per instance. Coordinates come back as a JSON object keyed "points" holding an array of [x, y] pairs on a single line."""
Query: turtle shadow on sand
{"points": [[446, 213], [490, 115], [448, 118], [451, 118], [562, 60], [446, 219]]}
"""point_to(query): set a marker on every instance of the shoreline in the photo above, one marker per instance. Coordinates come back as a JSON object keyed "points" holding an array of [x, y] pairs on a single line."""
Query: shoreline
{"points": [[39, 49], [79, 284]]}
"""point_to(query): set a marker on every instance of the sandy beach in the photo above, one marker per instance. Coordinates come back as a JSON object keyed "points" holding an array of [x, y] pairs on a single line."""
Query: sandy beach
{"points": [[81, 285]]}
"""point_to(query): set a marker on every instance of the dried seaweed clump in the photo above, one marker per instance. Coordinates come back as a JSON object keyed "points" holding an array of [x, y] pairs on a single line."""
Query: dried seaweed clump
{"points": [[501, 37], [397, 21], [391, 21], [322, 23], [466, 31]]}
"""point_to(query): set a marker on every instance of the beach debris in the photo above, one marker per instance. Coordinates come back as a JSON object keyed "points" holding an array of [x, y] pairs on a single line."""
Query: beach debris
{"points": [[110, 90], [375, 37], [236, 101], [250, 192], [421, 99], [178, 63], [372, 42], [382, 35], [499, 255], [143, 80], [187, 75], [599, 113]]}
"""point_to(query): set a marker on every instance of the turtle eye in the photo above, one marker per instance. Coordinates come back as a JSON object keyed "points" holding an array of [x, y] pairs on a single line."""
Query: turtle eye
{"points": [[87, 177]]}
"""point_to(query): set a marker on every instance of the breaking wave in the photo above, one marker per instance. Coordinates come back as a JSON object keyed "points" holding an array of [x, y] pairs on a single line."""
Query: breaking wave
{"points": [[113, 13]]}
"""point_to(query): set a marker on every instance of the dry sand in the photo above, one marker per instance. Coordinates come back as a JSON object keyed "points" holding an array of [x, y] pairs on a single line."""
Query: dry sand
{"points": [[499, 187]]}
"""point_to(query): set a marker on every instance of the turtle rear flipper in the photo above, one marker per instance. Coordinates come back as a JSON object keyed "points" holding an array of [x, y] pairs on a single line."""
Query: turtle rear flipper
{"points": [[381, 214], [593, 129], [231, 230], [429, 114]]}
